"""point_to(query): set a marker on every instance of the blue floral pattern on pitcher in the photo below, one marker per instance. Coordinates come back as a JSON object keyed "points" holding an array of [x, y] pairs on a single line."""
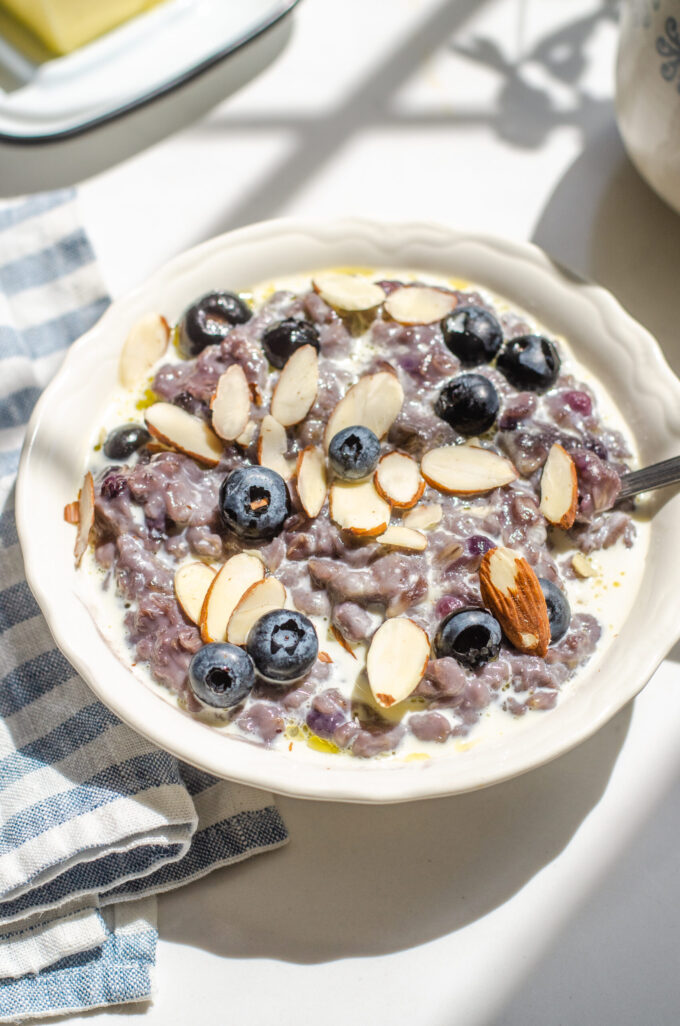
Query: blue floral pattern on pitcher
{"points": [[668, 46]]}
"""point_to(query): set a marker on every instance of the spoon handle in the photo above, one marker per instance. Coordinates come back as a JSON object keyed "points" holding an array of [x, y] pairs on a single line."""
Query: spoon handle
{"points": [[655, 476]]}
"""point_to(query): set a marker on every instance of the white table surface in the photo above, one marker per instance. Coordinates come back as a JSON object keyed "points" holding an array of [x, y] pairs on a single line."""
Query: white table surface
{"points": [[552, 899]]}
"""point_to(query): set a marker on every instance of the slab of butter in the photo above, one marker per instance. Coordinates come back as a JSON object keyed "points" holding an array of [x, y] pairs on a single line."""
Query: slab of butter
{"points": [[63, 25]]}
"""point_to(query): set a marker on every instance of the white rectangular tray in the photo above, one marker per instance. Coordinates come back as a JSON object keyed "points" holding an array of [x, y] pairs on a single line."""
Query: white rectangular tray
{"points": [[44, 98]]}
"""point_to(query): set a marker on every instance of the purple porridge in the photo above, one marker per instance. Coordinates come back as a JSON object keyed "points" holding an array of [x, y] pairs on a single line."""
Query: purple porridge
{"points": [[343, 566]]}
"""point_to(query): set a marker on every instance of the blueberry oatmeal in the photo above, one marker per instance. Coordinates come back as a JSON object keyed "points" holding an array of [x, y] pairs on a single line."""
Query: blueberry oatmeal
{"points": [[364, 513]]}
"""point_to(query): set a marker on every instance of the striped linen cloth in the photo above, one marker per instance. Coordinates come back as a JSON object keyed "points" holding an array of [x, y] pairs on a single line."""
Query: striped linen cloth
{"points": [[91, 815]]}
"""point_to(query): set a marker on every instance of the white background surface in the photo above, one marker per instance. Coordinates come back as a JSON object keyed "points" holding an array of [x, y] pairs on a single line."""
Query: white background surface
{"points": [[552, 899]]}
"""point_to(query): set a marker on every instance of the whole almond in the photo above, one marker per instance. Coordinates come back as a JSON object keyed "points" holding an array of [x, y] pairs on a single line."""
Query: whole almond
{"points": [[510, 589]]}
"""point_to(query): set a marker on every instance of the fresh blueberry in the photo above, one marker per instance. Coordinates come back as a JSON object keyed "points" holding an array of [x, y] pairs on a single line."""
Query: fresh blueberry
{"points": [[517, 409], [221, 675], [596, 446], [354, 452], [113, 483], [479, 544], [469, 403], [283, 645], [281, 340], [209, 320], [448, 604], [559, 612], [530, 362], [254, 502], [191, 404], [328, 711], [472, 334], [124, 440], [472, 636], [579, 402]]}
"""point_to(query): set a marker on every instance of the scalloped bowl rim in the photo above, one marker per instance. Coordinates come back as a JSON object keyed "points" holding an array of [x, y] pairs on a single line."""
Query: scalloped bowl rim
{"points": [[603, 336]]}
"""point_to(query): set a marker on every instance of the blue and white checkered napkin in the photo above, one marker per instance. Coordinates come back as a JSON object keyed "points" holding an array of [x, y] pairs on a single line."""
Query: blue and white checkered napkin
{"points": [[91, 814]]}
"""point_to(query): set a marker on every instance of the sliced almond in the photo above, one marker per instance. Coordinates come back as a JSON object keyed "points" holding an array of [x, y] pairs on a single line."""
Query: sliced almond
{"points": [[583, 566], [374, 401], [423, 517], [260, 598], [257, 554], [230, 404], [154, 447], [296, 388], [146, 343], [191, 586], [418, 304], [559, 488], [397, 478], [396, 660], [247, 435], [356, 506], [342, 640], [312, 481], [325, 658], [271, 447], [228, 586], [403, 538], [452, 551], [348, 291], [466, 470], [184, 432], [72, 512], [85, 517], [511, 591], [480, 511]]}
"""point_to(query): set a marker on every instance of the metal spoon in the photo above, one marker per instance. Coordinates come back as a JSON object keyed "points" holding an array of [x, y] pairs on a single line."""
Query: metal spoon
{"points": [[655, 476]]}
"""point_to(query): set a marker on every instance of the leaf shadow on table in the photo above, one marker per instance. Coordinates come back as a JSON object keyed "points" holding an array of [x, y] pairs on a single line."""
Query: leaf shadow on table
{"points": [[607, 225], [527, 108], [369, 879], [316, 138]]}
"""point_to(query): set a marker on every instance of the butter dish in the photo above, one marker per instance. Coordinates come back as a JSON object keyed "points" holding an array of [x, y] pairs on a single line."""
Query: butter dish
{"points": [[44, 97]]}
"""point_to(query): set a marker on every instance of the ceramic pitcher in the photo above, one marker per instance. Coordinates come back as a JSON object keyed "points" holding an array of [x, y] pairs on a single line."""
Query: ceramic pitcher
{"points": [[648, 92]]}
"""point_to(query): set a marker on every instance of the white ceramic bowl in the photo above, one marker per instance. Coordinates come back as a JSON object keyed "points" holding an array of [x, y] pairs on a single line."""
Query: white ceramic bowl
{"points": [[620, 352]]}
